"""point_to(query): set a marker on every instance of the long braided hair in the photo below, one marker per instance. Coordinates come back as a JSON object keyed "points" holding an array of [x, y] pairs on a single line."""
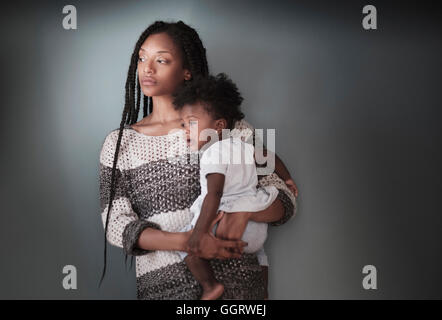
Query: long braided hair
{"points": [[194, 59]]}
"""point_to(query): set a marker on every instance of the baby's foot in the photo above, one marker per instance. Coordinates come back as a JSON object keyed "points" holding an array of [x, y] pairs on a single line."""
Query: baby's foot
{"points": [[213, 292]]}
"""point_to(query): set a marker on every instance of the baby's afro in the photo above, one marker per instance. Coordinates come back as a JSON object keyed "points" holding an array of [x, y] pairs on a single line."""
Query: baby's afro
{"points": [[218, 94]]}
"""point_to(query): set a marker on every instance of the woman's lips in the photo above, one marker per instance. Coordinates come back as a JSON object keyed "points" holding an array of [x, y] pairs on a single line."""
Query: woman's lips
{"points": [[148, 82]]}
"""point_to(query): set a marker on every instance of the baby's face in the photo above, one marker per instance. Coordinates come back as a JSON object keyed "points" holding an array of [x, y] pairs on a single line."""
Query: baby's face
{"points": [[195, 119]]}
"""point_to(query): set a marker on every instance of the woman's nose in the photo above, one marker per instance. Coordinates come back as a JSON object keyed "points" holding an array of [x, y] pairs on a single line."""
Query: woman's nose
{"points": [[148, 67]]}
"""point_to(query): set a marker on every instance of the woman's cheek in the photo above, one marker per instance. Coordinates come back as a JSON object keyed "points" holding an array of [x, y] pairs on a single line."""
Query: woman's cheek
{"points": [[176, 78]]}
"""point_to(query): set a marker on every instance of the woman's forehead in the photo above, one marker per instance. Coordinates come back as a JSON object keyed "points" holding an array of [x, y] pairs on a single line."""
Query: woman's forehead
{"points": [[158, 43]]}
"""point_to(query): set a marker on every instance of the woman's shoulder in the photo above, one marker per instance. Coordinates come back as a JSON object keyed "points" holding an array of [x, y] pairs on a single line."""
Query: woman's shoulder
{"points": [[110, 140], [108, 147], [128, 135], [129, 143], [137, 148]]}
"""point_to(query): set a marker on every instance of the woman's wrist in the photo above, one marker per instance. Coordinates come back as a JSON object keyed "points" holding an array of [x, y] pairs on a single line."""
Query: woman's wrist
{"points": [[152, 239], [184, 239]]}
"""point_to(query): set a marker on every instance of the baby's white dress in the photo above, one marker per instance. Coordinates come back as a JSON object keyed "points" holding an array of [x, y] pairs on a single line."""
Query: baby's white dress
{"points": [[234, 158]]}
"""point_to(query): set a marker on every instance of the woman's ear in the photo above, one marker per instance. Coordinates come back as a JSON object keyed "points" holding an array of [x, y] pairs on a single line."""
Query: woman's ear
{"points": [[187, 75]]}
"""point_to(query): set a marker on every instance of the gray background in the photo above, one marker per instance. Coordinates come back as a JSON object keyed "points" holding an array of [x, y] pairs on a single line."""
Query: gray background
{"points": [[357, 122]]}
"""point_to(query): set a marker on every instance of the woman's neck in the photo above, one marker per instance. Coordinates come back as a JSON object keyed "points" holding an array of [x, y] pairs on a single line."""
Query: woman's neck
{"points": [[163, 110]]}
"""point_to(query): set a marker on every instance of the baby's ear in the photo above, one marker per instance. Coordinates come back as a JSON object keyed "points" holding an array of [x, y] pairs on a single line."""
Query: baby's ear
{"points": [[221, 124]]}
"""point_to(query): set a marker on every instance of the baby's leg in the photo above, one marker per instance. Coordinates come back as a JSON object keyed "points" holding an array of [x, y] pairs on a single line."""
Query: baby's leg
{"points": [[236, 226], [255, 235], [203, 273]]}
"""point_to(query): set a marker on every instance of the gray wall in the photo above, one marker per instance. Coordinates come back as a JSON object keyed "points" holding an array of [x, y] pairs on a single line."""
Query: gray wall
{"points": [[356, 115]]}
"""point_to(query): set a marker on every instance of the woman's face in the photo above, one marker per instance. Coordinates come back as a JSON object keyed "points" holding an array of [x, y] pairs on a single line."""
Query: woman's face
{"points": [[160, 66]]}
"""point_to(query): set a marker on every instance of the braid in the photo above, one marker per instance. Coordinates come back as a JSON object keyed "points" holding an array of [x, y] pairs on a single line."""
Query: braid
{"points": [[193, 50], [137, 110], [194, 59], [145, 101], [113, 182]]}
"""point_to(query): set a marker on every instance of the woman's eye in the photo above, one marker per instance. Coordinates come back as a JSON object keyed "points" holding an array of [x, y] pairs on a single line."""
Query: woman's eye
{"points": [[162, 61], [141, 59]]}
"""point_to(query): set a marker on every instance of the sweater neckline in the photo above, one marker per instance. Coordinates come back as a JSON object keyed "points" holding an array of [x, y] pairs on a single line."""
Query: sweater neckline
{"points": [[128, 126]]}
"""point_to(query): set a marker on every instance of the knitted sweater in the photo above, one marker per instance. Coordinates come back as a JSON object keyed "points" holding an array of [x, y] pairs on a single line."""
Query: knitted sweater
{"points": [[157, 182]]}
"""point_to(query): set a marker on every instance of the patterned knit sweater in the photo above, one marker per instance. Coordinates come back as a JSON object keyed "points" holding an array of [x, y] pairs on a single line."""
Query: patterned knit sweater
{"points": [[156, 184]]}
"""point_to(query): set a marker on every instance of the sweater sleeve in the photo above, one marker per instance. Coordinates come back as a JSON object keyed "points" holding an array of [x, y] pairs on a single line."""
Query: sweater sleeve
{"points": [[124, 226], [285, 195]]}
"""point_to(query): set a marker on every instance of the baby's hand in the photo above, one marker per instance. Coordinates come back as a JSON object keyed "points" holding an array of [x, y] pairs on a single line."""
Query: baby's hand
{"points": [[292, 186]]}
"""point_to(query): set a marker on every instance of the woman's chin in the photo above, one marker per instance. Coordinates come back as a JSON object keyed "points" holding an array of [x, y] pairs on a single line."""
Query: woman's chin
{"points": [[151, 91]]}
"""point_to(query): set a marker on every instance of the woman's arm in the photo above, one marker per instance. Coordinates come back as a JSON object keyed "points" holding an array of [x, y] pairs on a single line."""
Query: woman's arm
{"points": [[282, 171], [124, 226], [272, 214], [199, 241], [153, 239]]}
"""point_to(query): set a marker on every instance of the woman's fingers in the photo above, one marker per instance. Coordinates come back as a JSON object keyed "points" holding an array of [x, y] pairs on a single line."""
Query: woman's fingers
{"points": [[233, 244], [231, 248], [292, 187], [211, 247], [226, 254]]}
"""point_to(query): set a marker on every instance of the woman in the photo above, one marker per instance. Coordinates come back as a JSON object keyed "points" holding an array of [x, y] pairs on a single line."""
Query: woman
{"points": [[145, 197]]}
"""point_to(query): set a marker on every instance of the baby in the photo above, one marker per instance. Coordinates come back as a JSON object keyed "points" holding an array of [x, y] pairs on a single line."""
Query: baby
{"points": [[228, 176]]}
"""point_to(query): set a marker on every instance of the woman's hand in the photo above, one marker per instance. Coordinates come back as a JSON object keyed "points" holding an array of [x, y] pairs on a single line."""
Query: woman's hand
{"points": [[194, 243], [209, 247]]}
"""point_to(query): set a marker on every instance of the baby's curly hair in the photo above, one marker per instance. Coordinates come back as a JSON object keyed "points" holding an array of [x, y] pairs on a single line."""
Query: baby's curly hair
{"points": [[218, 94]]}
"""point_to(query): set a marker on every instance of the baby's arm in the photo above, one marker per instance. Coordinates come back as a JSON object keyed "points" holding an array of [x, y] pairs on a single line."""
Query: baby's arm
{"points": [[209, 209]]}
